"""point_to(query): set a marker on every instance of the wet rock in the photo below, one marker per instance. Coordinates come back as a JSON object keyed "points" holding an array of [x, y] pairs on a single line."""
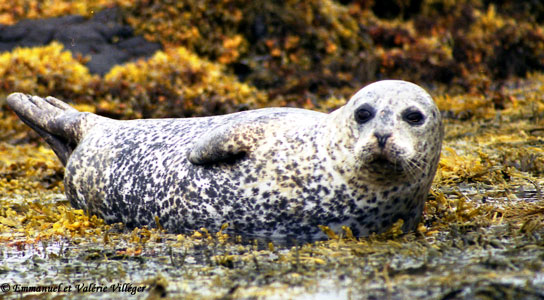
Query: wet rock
{"points": [[104, 38]]}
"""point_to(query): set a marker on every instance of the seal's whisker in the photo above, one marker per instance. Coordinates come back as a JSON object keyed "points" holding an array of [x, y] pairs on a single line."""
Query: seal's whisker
{"points": [[414, 167]]}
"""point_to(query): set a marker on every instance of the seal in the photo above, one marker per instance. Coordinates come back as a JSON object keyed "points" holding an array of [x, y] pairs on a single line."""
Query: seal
{"points": [[271, 172]]}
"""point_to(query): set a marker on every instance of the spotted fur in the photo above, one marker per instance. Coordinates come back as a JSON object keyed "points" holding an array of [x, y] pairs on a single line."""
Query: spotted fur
{"points": [[271, 172]]}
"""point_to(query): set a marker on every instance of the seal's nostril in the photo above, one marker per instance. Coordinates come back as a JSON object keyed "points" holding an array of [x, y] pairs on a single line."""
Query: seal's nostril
{"points": [[382, 138]]}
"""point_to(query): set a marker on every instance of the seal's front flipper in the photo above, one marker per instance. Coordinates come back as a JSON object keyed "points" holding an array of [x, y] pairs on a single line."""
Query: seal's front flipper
{"points": [[59, 124], [226, 143]]}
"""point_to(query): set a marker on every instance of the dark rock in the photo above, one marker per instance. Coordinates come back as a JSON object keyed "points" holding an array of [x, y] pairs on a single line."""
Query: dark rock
{"points": [[7, 46], [104, 38], [137, 46], [112, 32], [80, 38], [35, 33], [106, 57], [108, 16], [12, 33]]}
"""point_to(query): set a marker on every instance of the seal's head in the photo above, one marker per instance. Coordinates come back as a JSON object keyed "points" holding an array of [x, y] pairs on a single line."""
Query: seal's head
{"points": [[394, 132]]}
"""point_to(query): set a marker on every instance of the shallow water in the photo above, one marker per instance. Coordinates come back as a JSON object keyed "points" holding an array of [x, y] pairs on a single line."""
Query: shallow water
{"points": [[463, 261]]}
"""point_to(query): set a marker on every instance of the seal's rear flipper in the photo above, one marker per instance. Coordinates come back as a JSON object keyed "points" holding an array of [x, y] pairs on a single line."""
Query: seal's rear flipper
{"points": [[59, 124]]}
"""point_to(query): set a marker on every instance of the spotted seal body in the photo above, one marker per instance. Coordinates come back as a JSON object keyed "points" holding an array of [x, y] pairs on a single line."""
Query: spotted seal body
{"points": [[270, 172]]}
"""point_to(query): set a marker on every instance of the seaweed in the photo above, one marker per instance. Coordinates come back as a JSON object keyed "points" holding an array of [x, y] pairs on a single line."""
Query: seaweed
{"points": [[481, 231]]}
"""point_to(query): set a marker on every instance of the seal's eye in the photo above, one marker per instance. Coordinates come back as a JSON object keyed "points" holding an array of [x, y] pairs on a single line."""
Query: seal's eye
{"points": [[364, 113], [413, 117]]}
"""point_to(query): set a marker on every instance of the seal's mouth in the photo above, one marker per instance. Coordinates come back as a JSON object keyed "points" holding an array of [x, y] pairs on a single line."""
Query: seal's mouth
{"points": [[381, 164]]}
